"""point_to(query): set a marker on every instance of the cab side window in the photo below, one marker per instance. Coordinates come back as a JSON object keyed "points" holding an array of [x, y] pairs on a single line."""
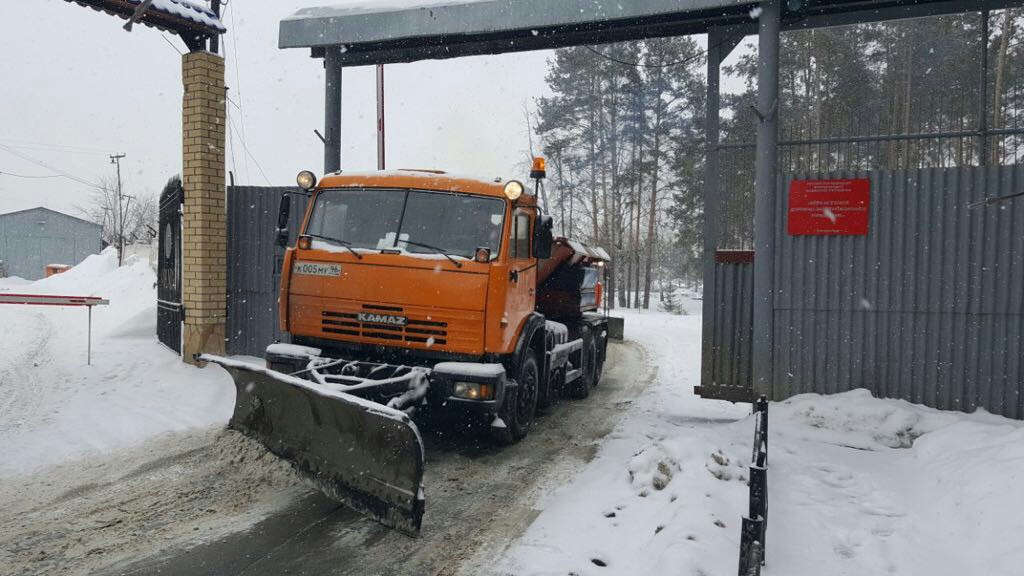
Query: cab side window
{"points": [[521, 235]]}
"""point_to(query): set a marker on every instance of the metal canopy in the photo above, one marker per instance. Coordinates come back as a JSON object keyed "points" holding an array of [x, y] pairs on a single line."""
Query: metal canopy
{"points": [[454, 29], [193, 22]]}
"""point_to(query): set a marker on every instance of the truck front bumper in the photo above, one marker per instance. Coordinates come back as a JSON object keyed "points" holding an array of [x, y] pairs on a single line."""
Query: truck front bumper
{"points": [[443, 385]]}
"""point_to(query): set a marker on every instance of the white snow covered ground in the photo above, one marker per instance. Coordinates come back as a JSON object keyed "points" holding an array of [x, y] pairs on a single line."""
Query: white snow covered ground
{"points": [[857, 485], [54, 408]]}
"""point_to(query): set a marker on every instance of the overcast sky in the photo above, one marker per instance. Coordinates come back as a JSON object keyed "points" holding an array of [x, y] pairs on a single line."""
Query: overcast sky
{"points": [[77, 88]]}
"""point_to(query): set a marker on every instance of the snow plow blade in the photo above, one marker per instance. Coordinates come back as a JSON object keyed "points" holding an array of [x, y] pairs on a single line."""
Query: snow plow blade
{"points": [[363, 454]]}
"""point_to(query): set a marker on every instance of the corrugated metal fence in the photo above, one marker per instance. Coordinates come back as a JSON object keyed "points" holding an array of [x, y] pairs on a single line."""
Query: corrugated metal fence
{"points": [[929, 306], [254, 264], [729, 373]]}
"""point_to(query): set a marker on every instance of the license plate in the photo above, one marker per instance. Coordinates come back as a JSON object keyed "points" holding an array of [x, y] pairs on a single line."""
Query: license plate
{"points": [[369, 318], [317, 269]]}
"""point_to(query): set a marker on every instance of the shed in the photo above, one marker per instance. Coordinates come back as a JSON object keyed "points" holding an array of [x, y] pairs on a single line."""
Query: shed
{"points": [[34, 238]]}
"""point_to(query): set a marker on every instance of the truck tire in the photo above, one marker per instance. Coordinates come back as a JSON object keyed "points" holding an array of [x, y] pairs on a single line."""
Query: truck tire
{"points": [[519, 408], [601, 353], [580, 388]]}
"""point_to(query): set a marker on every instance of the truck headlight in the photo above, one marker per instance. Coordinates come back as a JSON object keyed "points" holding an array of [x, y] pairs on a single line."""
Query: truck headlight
{"points": [[473, 391]]}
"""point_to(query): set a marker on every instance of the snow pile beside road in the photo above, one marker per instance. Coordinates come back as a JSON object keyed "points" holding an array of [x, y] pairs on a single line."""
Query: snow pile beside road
{"points": [[857, 485], [858, 420], [55, 408]]}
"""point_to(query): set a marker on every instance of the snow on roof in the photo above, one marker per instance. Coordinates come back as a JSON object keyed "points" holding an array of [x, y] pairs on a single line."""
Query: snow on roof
{"points": [[190, 9], [366, 22], [355, 7], [193, 11]]}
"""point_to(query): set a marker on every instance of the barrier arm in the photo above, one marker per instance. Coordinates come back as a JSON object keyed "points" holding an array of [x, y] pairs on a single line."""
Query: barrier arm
{"points": [[54, 300]]}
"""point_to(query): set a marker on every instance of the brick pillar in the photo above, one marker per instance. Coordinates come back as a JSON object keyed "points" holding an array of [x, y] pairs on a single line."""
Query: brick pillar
{"points": [[204, 242]]}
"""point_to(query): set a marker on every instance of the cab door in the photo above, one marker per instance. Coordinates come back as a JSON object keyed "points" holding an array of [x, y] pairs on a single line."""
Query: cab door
{"points": [[522, 277]]}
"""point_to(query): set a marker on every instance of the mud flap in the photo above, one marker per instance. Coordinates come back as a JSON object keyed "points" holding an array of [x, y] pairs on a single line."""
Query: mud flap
{"points": [[363, 454]]}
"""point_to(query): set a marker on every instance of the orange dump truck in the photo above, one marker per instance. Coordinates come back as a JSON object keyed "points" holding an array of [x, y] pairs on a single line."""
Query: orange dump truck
{"points": [[410, 292]]}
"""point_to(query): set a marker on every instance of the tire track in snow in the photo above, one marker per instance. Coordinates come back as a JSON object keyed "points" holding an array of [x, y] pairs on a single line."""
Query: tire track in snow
{"points": [[77, 519], [21, 397]]}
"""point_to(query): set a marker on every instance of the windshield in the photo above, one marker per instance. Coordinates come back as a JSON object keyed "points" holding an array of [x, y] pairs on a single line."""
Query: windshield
{"points": [[413, 221]]}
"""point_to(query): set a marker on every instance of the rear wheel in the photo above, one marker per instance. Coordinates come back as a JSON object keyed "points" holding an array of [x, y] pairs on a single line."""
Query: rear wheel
{"points": [[580, 388], [519, 407]]}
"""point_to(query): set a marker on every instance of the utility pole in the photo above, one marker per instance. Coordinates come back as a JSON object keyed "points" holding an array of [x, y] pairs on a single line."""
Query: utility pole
{"points": [[116, 159]]}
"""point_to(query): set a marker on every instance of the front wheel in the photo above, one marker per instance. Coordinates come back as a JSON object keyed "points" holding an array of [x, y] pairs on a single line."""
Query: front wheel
{"points": [[520, 405]]}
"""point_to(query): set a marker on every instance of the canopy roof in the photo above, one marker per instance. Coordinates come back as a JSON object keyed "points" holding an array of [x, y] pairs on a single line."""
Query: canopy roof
{"points": [[409, 30], [190, 19]]}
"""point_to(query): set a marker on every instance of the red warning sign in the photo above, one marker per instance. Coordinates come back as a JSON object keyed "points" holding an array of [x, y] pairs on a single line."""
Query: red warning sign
{"points": [[829, 207]]}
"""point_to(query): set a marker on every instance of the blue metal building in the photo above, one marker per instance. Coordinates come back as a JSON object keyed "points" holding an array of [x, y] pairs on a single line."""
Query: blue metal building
{"points": [[31, 239]]}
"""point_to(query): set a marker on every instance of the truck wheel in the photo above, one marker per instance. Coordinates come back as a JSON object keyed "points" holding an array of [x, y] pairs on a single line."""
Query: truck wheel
{"points": [[518, 409], [555, 380], [581, 387], [599, 363]]}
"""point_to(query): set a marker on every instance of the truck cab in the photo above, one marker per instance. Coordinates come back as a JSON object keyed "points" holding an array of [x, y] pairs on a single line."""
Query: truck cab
{"points": [[433, 271]]}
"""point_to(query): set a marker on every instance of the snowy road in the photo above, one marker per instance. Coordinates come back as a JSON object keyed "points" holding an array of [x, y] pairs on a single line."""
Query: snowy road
{"points": [[197, 508], [124, 468]]}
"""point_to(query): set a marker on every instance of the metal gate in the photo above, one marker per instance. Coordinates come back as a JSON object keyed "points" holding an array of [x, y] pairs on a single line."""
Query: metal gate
{"points": [[169, 311], [928, 306], [254, 264]]}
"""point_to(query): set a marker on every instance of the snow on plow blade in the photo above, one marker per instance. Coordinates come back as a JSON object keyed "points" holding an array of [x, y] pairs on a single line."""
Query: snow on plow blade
{"points": [[358, 452]]}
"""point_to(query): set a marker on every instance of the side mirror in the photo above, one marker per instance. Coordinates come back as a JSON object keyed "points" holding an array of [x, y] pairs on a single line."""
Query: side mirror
{"points": [[543, 237], [283, 215]]}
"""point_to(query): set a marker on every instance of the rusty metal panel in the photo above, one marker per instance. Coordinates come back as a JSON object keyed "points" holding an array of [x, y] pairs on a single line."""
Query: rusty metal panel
{"points": [[928, 307]]}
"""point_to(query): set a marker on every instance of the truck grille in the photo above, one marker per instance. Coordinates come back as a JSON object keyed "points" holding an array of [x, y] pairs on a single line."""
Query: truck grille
{"points": [[415, 330]]}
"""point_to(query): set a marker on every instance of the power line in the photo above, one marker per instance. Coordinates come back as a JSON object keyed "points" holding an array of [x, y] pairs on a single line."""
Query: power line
{"points": [[171, 44], [238, 90], [2, 173], [700, 54], [38, 162], [245, 147], [25, 144]]}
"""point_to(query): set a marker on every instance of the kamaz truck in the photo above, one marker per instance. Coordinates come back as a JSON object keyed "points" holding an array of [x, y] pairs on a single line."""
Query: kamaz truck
{"points": [[410, 292]]}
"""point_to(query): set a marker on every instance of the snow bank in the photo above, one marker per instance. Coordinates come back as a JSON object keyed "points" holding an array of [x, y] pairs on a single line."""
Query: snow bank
{"points": [[857, 485], [857, 420], [55, 408]]}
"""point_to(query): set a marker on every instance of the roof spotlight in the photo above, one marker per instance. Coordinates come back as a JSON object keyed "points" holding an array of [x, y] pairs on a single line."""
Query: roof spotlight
{"points": [[306, 180], [513, 190]]}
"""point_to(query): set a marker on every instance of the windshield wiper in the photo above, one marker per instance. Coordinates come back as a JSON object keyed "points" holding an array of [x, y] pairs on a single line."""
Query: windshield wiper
{"points": [[441, 251], [340, 242]]}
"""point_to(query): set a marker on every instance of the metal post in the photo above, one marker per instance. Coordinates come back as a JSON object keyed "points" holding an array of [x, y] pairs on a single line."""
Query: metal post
{"points": [[215, 39], [764, 204], [88, 346], [332, 110], [380, 116], [983, 93], [712, 205]]}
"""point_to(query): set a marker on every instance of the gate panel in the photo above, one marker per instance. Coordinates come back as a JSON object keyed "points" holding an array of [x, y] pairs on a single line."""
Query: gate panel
{"points": [[254, 264], [730, 376], [169, 312], [928, 307]]}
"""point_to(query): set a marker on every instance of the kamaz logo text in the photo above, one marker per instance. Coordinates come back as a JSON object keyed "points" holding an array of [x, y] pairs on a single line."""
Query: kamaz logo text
{"points": [[383, 319]]}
